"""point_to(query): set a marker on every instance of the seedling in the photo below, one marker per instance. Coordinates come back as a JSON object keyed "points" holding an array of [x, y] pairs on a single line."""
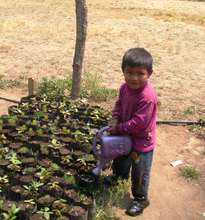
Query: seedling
{"points": [[46, 118], [58, 211], [34, 122], [53, 127], [82, 197], [55, 144], [39, 115], [34, 187], [82, 161], [54, 185], [21, 129], [4, 151], [13, 159], [54, 105], [39, 131], [69, 178], [65, 130], [24, 106], [46, 213], [11, 213], [54, 167], [4, 179], [12, 120], [30, 131], [3, 137], [30, 201], [79, 136], [43, 173], [44, 100], [66, 113], [67, 159]]}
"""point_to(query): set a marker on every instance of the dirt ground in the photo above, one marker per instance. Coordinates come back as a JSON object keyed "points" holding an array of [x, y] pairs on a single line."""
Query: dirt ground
{"points": [[37, 39]]}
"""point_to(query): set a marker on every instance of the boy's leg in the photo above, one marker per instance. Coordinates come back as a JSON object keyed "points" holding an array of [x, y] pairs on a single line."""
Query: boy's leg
{"points": [[120, 168], [140, 177]]}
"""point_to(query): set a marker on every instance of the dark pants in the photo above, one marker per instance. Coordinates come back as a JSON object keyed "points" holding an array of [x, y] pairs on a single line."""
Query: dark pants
{"points": [[140, 173]]}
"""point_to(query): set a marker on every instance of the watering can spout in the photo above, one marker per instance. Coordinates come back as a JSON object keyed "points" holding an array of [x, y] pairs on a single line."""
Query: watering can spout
{"points": [[96, 171]]}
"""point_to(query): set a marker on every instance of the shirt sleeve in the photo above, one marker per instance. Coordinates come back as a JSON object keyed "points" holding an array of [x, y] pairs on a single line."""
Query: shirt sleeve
{"points": [[116, 111], [140, 120]]}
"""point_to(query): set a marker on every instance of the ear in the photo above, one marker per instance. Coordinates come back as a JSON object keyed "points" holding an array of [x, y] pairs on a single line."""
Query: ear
{"points": [[150, 73]]}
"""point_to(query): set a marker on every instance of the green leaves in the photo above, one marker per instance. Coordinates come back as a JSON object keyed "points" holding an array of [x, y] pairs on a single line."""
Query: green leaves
{"points": [[55, 144], [45, 212], [4, 179], [34, 186], [12, 157], [30, 201], [82, 161], [21, 129], [43, 173], [69, 178], [11, 213]]}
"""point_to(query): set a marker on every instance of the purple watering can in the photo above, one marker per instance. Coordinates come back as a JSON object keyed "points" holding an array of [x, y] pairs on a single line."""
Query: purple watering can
{"points": [[111, 147]]}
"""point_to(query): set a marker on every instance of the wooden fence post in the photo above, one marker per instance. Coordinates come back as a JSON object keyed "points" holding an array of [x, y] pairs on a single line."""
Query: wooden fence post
{"points": [[30, 86]]}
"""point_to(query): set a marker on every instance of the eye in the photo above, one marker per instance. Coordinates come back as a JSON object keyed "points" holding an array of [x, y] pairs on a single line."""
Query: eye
{"points": [[128, 73]]}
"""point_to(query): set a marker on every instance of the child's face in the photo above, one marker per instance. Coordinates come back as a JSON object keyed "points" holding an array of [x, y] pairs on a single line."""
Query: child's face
{"points": [[135, 77]]}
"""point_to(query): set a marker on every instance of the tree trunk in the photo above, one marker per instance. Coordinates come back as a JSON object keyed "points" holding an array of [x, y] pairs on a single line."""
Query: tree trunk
{"points": [[81, 32]]}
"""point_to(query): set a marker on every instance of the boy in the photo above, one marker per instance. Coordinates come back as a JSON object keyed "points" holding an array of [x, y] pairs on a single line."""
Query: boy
{"points": [[135, 114]]}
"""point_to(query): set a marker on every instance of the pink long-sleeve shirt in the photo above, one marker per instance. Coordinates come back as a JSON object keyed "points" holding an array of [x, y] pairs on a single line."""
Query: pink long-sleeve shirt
{"points": [[136, 114]]}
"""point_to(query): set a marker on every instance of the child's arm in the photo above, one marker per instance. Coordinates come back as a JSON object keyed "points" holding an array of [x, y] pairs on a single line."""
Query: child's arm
{"points": [[140, 119]]}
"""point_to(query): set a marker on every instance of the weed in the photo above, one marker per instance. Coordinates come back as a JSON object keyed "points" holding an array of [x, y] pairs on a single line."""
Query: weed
{"points": [[199, 129], [103, 93], [8, 83], [54, 88], [190, 172], [106, 198], [190, 110], [118, 191], [202, 121], [91, 88]]}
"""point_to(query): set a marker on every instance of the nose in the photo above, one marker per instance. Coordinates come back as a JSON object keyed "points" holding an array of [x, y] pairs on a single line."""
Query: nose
{"points": [[134, 78]]}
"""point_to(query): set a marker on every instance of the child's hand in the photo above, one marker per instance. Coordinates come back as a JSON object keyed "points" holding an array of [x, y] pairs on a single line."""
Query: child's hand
{"points": [[113, 122], [112, 130]]}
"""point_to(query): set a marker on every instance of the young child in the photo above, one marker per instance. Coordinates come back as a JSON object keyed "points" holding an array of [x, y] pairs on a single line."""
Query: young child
{"points": [[135, 114]]}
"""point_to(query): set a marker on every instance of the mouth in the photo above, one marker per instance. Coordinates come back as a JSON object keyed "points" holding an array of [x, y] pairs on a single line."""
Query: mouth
{"points": [[133, 83]]}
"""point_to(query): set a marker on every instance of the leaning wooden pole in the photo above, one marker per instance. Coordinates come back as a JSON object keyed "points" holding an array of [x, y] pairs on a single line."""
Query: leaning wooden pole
{"points": [[81, 32]]}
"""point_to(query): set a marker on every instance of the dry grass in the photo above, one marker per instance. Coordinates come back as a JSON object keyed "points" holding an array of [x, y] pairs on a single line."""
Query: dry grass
{"points": [[38, 38]]}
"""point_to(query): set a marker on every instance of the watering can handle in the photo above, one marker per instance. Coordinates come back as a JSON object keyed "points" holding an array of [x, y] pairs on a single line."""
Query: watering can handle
{"points": [[98, 135]]}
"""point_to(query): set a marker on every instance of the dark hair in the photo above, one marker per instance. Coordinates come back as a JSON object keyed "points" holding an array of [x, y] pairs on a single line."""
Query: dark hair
{"points": [[137, 57]]}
